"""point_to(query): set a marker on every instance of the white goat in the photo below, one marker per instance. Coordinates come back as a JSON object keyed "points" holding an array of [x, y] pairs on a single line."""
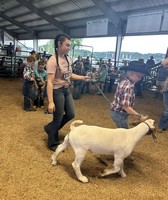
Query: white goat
{"points": [[118, 142]]}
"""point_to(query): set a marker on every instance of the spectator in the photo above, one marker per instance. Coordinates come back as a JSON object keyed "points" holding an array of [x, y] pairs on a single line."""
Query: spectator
{"points": [[20, 63], [102, 77], [163, 123], [161, 76], [2, 62], [77, 62], [41, 82], [138, 84], [10, 49], [33, 53], [77, 84], [28, 84], [150, 62], [86, 63], [112, 75], [44, 55]]}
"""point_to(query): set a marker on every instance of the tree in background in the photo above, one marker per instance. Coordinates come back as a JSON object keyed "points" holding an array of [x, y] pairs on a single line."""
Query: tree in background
{"points": [[49, 47]]}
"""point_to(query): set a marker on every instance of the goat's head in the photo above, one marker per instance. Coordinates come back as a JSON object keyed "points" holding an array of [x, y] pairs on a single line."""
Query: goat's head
{"points": [[152, 128]]}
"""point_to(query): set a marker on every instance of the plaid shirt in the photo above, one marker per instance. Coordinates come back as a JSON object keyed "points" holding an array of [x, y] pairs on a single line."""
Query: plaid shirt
{"points": [[124, 96], [28, 73]]}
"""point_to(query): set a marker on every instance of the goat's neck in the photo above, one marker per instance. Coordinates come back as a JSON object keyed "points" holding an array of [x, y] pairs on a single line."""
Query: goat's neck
{"points": [[138, 132]]}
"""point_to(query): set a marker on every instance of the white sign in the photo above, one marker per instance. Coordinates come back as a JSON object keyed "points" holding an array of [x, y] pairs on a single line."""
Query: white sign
{"points": [[97, 27], [141, 23], [165, 21]]}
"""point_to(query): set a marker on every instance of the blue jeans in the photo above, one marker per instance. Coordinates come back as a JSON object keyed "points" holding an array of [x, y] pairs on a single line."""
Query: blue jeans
{"points": [[163, 123], [28, 92], [64, 111], [77, 91], [120, 119]]}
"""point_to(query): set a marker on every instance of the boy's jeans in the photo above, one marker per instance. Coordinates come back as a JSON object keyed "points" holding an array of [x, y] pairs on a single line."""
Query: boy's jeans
{"points": [[120, 119], [28, 92]]}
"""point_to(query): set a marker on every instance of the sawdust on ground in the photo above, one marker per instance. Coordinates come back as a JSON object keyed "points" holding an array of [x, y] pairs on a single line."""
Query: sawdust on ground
{"points": [[26, 172]]}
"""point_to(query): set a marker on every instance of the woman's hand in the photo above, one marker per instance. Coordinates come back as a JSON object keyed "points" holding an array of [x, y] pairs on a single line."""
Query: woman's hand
{"points": [[51, 107], [86, 78]]}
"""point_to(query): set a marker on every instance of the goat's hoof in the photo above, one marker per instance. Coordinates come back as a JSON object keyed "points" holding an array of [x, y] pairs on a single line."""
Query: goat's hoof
{"points": [[54, 162], [104, 173], [83, 179], [123, 175], [107, 172]]}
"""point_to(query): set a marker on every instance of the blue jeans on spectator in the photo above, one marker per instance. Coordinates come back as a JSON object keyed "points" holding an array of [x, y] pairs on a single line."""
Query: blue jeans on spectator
{"points": [[77, 91], [64, 111], [28, 92], [120, 119], [163, 123], [40, 94]]}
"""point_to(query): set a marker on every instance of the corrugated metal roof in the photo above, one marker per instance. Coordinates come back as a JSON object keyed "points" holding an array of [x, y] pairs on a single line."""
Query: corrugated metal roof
{"points": [[36, 17]]}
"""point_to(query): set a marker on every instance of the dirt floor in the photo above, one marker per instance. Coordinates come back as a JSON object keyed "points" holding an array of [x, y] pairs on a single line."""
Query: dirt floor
{"points": [[26, 172]]}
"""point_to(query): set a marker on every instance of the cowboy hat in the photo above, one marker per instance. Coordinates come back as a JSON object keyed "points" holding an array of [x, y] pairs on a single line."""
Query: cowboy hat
{"points": [[136, 66]]}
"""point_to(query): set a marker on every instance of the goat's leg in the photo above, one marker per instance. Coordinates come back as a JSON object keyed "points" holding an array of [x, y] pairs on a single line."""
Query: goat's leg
{"points": [[121, 172], [79, 156], [116, 167], [59, 149]]}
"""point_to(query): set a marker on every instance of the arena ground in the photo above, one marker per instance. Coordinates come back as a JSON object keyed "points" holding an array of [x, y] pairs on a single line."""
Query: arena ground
{"points": [[26, 172]]}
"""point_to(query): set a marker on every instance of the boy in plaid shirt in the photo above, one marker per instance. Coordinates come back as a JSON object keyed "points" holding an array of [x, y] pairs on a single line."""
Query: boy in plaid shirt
{"points": [[124, 98], [29, 84]]}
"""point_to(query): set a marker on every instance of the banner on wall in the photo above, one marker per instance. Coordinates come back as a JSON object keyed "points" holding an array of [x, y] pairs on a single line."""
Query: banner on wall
{"points": [[97, 27], [145, 22], [165, 21]]}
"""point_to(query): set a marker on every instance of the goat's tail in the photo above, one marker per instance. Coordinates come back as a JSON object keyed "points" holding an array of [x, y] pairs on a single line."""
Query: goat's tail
{"points": [[75, 122]]}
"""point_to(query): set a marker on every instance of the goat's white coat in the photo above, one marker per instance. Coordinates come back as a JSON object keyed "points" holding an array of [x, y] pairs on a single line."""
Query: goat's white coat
{"points": [[118, 142]]}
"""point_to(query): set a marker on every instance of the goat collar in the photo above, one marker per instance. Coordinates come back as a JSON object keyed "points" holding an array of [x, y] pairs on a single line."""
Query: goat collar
{"points": [[147, 125]]}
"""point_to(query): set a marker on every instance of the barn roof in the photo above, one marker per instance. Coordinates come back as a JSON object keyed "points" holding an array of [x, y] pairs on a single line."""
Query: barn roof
{"points": [[43, 19]]}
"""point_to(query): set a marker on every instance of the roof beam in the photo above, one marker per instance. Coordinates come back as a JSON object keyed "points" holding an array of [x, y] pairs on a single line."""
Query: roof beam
{"points": [[108, 12], [22, 15], [17, 23], [42, 14], [91, 8]]}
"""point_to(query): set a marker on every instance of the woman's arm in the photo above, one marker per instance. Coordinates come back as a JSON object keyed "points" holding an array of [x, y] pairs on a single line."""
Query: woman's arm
{"points": [[51, 105], [78, 77]]}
